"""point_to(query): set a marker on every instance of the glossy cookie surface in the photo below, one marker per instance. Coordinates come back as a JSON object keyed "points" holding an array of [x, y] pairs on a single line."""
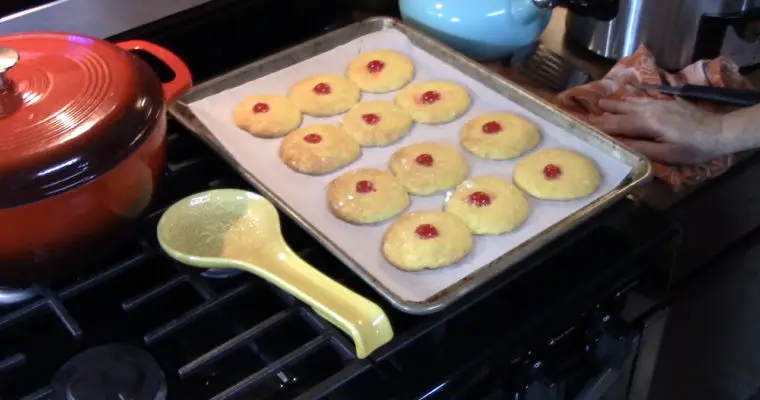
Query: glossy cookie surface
{"points": [[429, 167], [426, 240], [267, 116], [489, 205], [366, 196], [318, 149], [324, 95], [377, 123], [557, 174], [434, 102], [499, 136], [380, 71]]}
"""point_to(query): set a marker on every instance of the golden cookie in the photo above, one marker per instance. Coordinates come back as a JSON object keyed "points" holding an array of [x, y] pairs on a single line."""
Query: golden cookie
{"points": [[489, 205], [430, 167], [318, 149], [366, 196], [557, 174], [324, 95], [434, 102], [267, 116], [380, 71], [499, 136], [426, 240], [377, 123]]}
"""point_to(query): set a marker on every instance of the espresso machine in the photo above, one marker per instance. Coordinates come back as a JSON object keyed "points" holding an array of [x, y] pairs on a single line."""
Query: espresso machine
{"points": [[677, 32]]}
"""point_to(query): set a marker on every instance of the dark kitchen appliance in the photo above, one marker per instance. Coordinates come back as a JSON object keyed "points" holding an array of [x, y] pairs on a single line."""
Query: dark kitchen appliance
{"points": [[572, 327], [677, 32]]}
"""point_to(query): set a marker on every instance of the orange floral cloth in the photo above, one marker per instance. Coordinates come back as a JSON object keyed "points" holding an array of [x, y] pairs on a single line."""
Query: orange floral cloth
{"points": [[641, 67]]}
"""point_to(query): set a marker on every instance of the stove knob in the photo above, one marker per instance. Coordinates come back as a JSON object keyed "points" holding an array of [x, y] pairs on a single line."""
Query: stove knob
{"points": [[542, 383], [614, 342]]}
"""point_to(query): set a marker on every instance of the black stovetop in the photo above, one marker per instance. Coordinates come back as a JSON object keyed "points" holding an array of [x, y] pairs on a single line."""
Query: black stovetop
{"points": [[213, 336], [239, 337]]}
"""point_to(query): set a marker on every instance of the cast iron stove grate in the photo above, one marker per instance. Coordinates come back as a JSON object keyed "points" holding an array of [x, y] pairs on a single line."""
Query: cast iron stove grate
{"points": [[240, 337]]}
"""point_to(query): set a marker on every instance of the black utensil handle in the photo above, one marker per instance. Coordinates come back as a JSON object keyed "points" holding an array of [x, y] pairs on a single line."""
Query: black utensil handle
{"points": [[734, 97]]}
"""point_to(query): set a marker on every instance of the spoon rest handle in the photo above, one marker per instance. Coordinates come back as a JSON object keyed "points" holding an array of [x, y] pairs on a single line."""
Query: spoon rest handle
{"points": [[362, 320]]}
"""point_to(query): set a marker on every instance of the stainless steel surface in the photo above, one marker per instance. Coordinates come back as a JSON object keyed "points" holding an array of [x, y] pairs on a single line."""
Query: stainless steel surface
{"points": [[669, 29], [723, 7], [647, 353], [550, 70], [640, 174], [621, 36], [599, 385], [100, 18]]}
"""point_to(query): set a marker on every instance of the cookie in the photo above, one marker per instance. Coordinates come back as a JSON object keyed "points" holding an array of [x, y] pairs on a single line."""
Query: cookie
{"points": [[430, 167], [434, 102], [426, 240], [377, 123], [489, 205], [499, 136], [318, 149], [267, 116], [324, 95], [366, 196], [380, 71], [557, 174]]}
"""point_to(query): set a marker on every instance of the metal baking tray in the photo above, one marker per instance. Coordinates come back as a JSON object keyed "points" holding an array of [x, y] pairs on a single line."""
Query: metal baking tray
{"points": [[640, 166]]}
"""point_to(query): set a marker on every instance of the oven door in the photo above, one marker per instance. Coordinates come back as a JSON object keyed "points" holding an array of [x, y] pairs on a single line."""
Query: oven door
{"points": [[631, 379], [615, 363]]}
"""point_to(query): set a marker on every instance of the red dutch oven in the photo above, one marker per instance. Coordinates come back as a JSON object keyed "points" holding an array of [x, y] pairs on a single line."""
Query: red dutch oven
{"points": [[82, 147]]}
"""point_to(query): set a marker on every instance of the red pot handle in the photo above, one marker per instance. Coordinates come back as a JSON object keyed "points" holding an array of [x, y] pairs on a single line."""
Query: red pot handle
{"points": [[182, 78]]}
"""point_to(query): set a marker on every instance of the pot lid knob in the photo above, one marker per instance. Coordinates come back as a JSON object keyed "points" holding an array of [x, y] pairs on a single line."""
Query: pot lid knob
{"points": [[8, 58]]}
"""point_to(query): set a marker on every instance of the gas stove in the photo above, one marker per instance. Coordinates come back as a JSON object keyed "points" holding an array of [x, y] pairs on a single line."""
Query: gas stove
{"points": [[141, 326]]}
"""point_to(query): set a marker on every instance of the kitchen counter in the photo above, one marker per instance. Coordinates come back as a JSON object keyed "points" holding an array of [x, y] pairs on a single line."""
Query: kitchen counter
{"points": [[657, 194], [715, 215]]}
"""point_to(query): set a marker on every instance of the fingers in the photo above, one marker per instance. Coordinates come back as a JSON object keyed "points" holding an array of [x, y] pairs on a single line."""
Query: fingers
{"points": [[655, 151], [629, 105], [617, 107], [630, 126]]}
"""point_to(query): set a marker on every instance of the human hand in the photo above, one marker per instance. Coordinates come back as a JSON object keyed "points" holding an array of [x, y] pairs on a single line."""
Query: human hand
{"points": [[667, 131]]}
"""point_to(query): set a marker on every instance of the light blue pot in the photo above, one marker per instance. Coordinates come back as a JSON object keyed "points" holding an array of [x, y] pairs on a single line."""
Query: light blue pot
{"points": [[484, 30]]}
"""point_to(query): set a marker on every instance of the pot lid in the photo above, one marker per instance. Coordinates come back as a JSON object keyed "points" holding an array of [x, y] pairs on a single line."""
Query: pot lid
{"points": [[71, 107]]}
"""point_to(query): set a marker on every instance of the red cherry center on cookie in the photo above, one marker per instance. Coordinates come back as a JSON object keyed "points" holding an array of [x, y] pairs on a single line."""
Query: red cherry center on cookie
{"points": [[479, 199], [371, 119], [430, 97], [364, 187], [426, 160], [259, 108], [322, 88], [312, 138], [552, 171], [375, 66], [491, 127], [426, 231]]}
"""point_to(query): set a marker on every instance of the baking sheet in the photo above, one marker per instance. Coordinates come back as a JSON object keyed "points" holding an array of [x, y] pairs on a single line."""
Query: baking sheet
{"points": [[305, 195]]}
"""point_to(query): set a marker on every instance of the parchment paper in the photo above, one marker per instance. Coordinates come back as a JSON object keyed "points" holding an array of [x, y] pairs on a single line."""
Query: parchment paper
{"points": [[306, 195]]}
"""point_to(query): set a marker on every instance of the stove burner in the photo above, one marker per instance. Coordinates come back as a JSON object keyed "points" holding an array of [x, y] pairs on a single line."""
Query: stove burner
{"points": [[221, 273], [110, 372], [13, 296]]}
